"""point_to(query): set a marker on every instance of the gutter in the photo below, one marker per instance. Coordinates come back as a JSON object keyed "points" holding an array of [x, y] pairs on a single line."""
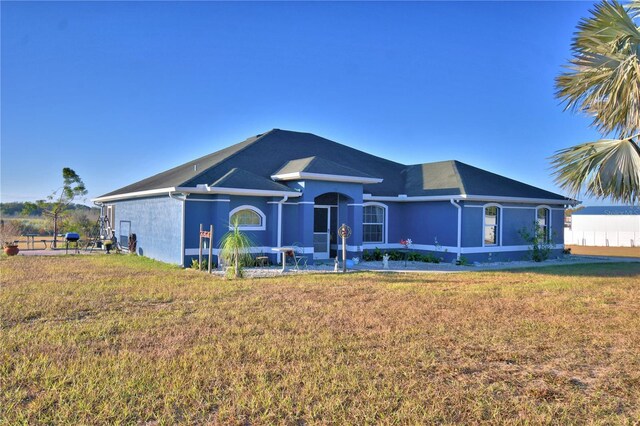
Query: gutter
{"points": [[459, 245], [467, 197], [199, 190]]}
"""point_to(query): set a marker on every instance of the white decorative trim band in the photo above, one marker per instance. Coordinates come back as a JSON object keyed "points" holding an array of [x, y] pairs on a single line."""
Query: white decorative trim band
{"points": [[216, 200], [453, 249], [350, 248], [255, 250]]}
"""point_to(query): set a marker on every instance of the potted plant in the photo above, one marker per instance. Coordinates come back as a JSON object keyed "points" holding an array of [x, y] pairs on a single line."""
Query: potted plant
{"points": [[11, 248]]}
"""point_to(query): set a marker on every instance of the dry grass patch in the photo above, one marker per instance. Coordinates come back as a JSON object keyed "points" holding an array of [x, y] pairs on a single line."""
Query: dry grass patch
{"points": [[606, 251], [123, 339]]}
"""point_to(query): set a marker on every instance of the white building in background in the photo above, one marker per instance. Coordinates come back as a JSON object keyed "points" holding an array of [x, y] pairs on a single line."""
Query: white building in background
{"points": [[609, 226]]}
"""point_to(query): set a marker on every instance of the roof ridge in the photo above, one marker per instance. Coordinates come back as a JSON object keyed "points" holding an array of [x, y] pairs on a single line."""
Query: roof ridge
{"points": [[459, 176], [258, 137]]}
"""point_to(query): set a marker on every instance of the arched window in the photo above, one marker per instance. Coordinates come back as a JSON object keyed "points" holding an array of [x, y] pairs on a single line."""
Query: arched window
{"points": [[543, 220], [374, 223], [248, 218], [492, 225]]}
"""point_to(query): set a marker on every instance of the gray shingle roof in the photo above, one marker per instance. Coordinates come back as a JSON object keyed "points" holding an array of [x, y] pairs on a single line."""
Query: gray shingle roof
{"points": [[238, 178], [319, 165], [251, 163], [177, 176], [454, 177]]}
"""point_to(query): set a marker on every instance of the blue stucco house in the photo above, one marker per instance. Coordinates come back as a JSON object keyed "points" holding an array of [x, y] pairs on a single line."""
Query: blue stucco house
{"points": [[292, 188]]}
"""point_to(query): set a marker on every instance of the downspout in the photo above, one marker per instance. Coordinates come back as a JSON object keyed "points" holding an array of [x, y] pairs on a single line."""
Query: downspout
{"points": [[455, 203], [280, 203], [101, 205], [184, 203]]}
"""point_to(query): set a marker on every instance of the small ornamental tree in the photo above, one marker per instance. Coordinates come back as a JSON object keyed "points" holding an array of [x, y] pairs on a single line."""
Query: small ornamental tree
{"points": [[540, 243], [57, 204]]}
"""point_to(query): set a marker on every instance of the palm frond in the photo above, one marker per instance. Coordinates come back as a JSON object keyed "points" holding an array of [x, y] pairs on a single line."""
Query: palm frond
{"points": [[603, 78], [607, 168], [235, 249]]}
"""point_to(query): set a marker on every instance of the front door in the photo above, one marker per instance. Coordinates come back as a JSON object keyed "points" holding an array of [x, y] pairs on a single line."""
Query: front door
{"points": [[321, 221]]}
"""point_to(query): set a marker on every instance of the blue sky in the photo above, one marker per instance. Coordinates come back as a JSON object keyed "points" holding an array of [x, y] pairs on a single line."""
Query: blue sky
{"points": [[121, 91]]}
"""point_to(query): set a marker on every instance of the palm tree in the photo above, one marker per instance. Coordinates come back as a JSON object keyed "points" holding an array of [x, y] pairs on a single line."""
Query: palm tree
{"points": [[603, 80], [235, 249]]}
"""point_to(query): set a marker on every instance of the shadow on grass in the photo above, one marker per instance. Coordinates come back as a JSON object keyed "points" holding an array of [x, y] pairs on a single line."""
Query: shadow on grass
{"points": [[622, 269]]}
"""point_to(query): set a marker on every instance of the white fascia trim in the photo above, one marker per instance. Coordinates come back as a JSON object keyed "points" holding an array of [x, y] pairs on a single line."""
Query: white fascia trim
{"points": [[238, 191], [491, 198], [464, 197], [204, 190], [326, 177], [136, 194], [514, 207]]}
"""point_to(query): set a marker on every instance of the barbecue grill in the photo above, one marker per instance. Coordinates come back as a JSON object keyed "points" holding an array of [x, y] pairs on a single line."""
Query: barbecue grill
{"points": [[72, 237]]}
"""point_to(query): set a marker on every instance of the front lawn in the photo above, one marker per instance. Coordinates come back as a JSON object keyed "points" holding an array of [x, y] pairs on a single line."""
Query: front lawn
{"points": [[105, 339]]}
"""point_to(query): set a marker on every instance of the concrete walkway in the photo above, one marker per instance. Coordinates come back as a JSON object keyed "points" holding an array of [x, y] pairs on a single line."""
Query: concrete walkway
{"points": [[394, 266], [433, 268]]}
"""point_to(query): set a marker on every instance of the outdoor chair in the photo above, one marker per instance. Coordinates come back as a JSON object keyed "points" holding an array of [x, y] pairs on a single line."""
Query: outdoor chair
{"points": [[262, 260], [298, 257]]}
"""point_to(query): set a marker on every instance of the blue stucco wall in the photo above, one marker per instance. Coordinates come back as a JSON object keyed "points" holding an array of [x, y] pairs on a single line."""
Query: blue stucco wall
{"points": [[157, 223], [349, 212], [557, 226], [215, 210], [515, 217], [425, 223]]}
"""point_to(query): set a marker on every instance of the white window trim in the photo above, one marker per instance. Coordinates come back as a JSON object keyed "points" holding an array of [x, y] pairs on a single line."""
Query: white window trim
{"points": [[385, 225], [484, 217], [544, 206], [263, 219]]}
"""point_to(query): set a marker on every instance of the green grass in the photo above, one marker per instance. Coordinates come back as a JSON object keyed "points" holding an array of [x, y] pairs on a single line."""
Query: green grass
{"points": [[121, 339]]}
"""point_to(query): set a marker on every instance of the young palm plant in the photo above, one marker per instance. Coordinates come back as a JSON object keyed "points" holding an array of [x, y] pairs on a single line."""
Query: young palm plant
{"points": [[235, 249], [603, 80]]}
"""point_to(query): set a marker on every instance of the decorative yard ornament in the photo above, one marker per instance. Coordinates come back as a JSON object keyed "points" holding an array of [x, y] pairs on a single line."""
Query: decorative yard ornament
{"points": [[345, 232], [385, 261], [335, 264]]}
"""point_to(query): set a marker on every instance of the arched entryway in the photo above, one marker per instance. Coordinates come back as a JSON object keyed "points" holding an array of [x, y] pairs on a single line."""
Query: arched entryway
{"points": [[328, 213]]}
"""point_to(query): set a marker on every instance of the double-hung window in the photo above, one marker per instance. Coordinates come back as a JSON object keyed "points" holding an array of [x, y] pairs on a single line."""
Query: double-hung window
{"points": [[491, 225], [542, 220], [373, 223]]}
